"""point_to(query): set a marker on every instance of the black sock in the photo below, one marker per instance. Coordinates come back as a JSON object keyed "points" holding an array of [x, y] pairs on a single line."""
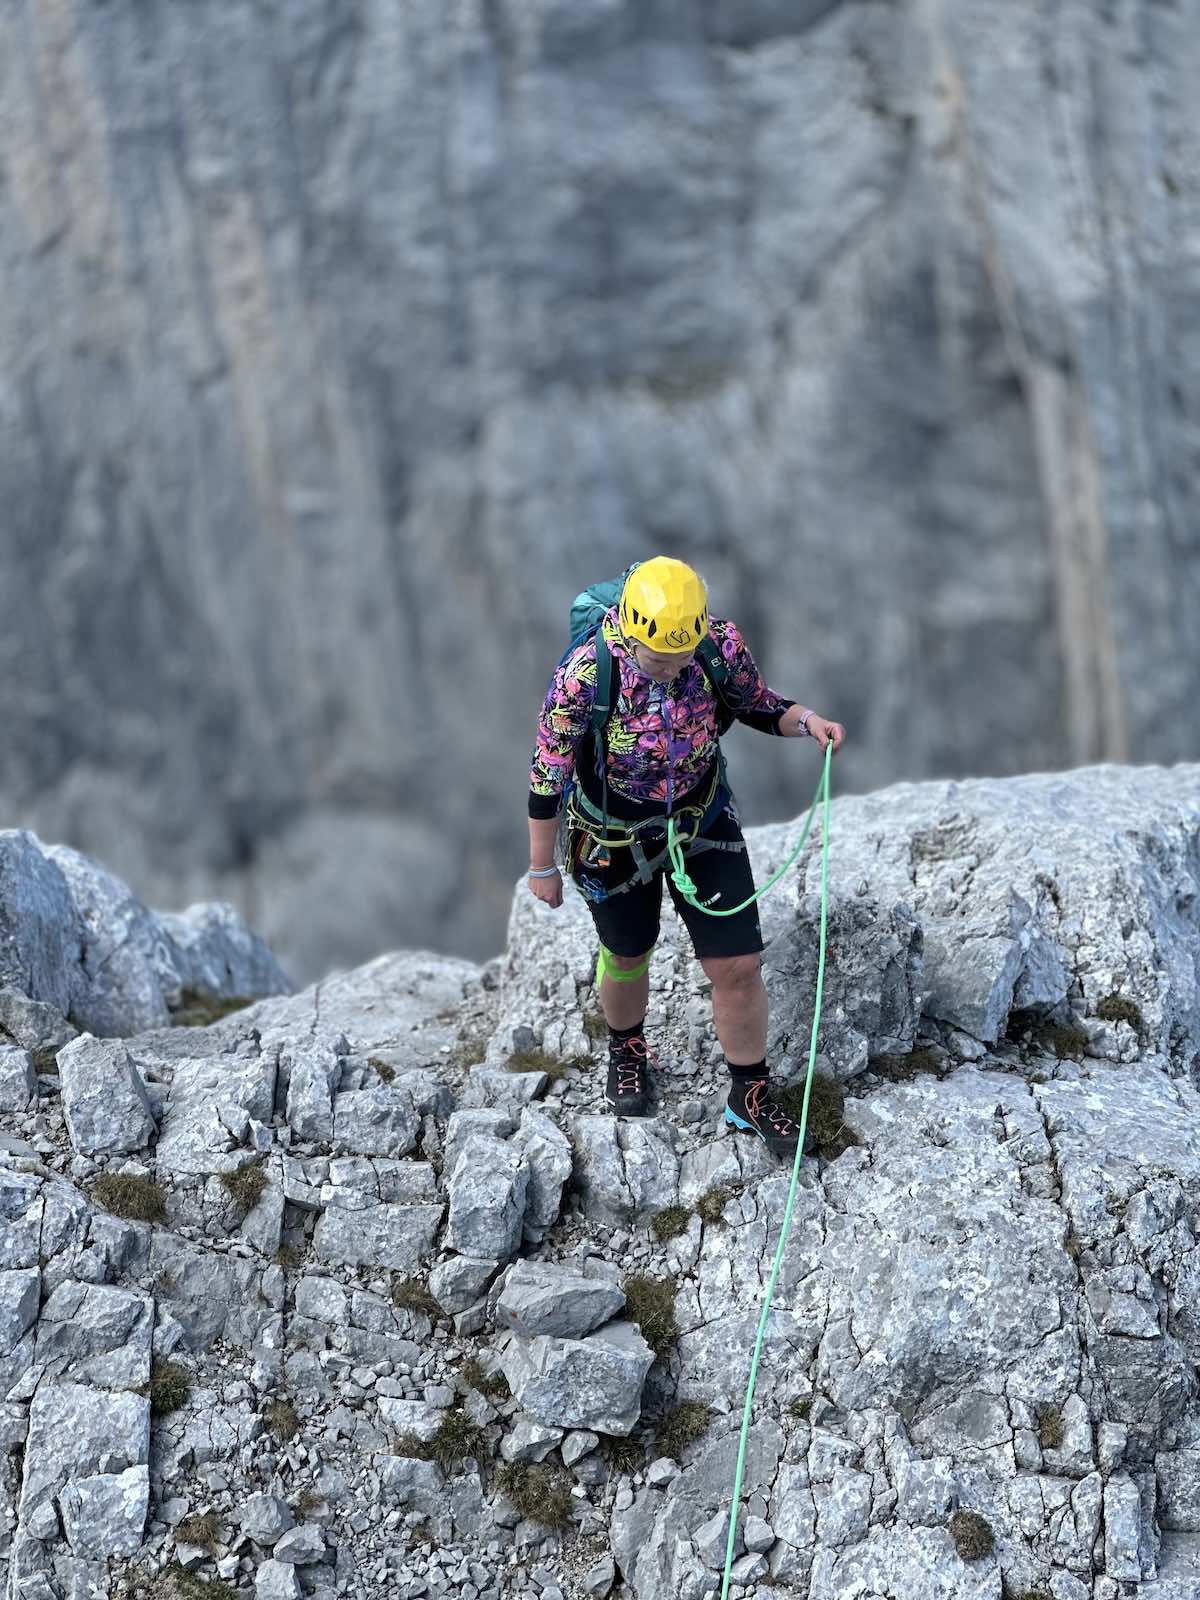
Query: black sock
{"points": [[743, 1077], [619, 1035]]}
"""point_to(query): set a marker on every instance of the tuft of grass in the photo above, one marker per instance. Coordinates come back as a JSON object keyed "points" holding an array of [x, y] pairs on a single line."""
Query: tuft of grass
{"points": [[187, 1586], [595, 1026], [169, 1389], [282, 1419], [385, 1070], [972, 1535], [493, 1385], [306, 1502], [538, 1061], [650, 1302], [622, 1455], [826, 1108], [133, 1199], [410, 1294], [456, 1439], [540, 1493], [670, 1223], [1034, 1594], [1118, 1008], [800, 1408], [1066, 1040], [687, 1422], [288, 1256], [198, 1010], [246, 1185], [1051, 1429], [903, 1069], [203, 1529], [710, 1207]]}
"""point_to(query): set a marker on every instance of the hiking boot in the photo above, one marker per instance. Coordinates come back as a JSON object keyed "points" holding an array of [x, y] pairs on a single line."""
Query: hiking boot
{"points": [[629, 1064], [751, 1109]]}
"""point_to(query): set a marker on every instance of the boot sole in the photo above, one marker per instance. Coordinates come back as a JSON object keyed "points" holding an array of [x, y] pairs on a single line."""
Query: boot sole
{"points": [[642, 1110]]}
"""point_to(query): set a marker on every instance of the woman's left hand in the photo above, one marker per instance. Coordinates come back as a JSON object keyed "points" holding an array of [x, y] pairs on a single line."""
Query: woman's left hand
{"points": [[825, 732]]}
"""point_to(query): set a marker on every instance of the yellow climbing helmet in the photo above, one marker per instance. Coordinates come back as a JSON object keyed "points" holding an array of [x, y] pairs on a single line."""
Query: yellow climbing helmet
{"points": [[664, 605]]}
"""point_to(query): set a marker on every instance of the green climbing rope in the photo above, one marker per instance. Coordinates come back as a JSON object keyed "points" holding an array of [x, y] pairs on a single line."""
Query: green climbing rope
{"points": [[821, 794], [687, 888]]}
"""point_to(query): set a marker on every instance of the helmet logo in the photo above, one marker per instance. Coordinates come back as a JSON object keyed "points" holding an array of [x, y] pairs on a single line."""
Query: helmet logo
{"points": [[678, 638]]}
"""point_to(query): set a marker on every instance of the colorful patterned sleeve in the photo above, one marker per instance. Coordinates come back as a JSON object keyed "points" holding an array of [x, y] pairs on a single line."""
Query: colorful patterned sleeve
{"points": [[564, 721], [755, 704]]}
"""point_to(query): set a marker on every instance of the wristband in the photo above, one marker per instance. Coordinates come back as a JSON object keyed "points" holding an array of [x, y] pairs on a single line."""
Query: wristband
{"points": [[541, 872]]}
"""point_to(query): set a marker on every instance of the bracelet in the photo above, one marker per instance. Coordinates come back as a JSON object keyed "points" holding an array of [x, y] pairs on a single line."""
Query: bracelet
{"points": [[541, 872]]}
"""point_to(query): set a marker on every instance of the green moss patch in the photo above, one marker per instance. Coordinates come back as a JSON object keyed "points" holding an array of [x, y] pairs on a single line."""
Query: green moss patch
{"points": [[650, 1302], [540, 1493], [133, 1199], [670, 1223], [384, 1070], [800, 1408]]}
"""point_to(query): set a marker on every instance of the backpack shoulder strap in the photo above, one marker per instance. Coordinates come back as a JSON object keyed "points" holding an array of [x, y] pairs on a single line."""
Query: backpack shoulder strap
{"points": [[603, 698]]}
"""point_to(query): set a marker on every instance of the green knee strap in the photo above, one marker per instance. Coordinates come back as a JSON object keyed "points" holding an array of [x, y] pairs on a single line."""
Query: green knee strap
{"points": [[604, 965]]}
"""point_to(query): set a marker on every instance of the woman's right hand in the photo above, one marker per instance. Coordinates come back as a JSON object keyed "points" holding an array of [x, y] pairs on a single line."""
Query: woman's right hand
{"points": [[549, 890]]}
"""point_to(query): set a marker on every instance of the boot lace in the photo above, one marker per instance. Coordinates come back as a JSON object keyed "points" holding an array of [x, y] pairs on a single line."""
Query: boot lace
{"points": [[762, 1109], [632, 1059]]}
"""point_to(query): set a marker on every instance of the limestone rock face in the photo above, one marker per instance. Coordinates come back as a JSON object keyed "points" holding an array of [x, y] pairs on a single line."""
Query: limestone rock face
{"points": [[880, 312], [381, 1288]]}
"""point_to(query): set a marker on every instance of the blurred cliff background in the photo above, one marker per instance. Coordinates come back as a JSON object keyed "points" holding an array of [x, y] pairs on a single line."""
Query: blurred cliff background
{"points": [[342, 341]]}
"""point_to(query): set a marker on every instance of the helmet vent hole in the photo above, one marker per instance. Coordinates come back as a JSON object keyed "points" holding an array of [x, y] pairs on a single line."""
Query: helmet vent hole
{"points": [[653, 628]]}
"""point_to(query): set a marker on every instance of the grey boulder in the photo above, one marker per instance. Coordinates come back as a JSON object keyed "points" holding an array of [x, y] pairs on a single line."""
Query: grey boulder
{"points": [[107, 1108], [544, 1298], [593, 1383]]}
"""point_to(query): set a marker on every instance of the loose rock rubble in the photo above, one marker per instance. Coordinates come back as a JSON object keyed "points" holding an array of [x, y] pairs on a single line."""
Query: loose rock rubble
{"points": [[360, 1289]]}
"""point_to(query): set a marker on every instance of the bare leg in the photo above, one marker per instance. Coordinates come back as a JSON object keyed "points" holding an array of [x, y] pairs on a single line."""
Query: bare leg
{"points": [[739, 1002], [624, 1003]]}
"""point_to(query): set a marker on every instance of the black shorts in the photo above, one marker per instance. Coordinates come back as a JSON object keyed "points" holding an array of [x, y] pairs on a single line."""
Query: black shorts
{"points": [[628, 923]]}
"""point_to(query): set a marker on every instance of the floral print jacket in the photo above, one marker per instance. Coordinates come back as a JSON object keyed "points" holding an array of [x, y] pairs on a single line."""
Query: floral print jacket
{"points": [[661, 739]]}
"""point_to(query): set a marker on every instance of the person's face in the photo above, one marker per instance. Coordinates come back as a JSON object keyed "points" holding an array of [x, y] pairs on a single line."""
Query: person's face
{"points": [[662, 668]]}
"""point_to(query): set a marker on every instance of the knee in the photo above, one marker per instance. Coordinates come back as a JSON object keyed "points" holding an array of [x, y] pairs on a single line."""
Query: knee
{"points": [[734, 974], [628, 963]]}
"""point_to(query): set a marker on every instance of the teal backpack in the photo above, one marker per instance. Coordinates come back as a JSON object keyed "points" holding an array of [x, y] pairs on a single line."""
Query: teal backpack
{"points": [[588, 611]]}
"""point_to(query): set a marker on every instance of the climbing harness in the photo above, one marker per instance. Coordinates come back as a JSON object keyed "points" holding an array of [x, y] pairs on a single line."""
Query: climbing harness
{"points": [[592, 837], [822, 794]]}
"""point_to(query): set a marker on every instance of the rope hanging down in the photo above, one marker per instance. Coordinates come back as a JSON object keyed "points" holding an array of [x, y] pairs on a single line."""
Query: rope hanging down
{"points": [[821, 794]]}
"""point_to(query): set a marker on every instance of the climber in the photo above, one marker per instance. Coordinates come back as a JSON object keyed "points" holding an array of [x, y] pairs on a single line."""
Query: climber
{"points": [[679, 679]]}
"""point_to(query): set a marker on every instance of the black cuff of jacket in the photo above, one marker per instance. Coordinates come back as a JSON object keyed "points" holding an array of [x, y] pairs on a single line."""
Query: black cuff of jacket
{"points": [[765, 721], [544, 806]]}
